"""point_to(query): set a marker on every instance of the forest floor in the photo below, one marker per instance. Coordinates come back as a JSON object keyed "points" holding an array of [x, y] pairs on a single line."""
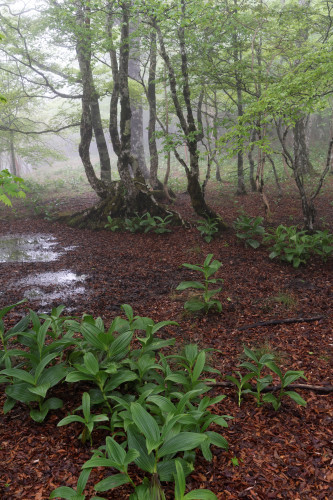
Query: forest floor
{"points": [[284, 454]]}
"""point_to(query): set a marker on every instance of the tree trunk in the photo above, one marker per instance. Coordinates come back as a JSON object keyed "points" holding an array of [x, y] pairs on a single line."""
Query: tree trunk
{"points": [[251, 163], [188, 125], [137, 145], [12, 155], [301, 151], [151, 95], [83, 51]]}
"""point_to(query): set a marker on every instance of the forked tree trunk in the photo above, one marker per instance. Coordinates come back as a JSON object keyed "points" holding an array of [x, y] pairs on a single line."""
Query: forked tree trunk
{"points": [[188, 125], [130, 195], [301, 151]]}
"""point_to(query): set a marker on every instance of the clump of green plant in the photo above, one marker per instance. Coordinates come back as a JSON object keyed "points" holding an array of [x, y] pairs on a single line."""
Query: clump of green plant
{"points": [[322, 244], [208, 228], [112, 224], [36, 369], [204, 301], [249, 229], [296, 247], [152, 401], [155, 223], [290, 245], [88, 420], [257, 371], [133, 224]]}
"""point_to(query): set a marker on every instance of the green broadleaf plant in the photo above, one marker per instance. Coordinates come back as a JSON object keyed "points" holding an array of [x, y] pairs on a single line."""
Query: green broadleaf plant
{"points": [[204, 300]]}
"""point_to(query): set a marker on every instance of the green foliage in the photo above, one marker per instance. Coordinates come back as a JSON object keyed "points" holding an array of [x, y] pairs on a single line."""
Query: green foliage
{"points": [[36, 370], [112, 224], [248, 229], [152, 402], [255, 367], [296, 247], [180, 487], [147, 222], [88, 420], [205, 299], [11, 186], [207, 228]]}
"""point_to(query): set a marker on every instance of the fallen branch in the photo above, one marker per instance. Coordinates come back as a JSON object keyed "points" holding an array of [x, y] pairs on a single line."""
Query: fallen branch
{"points": [[323, 389], [280, 322]]}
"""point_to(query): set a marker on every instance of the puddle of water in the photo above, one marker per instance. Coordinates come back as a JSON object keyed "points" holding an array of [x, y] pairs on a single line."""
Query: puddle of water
{"points": [[28, 248], [57, 278], [65, 281], [45, 298], [42, 287]]}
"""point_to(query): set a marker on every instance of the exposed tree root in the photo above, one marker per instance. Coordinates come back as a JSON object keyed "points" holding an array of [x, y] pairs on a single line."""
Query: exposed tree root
{"points": [[118, 205]]}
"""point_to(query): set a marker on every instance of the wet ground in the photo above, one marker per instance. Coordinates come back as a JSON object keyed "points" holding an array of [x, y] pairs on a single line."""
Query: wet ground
{"points": [[44, 287]]}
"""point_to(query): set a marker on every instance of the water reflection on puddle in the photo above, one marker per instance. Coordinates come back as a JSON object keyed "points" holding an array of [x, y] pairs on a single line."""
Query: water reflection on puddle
{"points": [[28, 248], [43, 287], [66, 283]]}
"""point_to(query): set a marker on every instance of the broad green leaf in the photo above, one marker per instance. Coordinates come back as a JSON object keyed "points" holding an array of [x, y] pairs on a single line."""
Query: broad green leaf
{"points": [[272, 366], [20, 375], [163, 403], [115, 451], [181, 442], [52, 404], [37, 415], [78, 376], [250, 354], [200, 495], [190, 284], [120, 378], [178, 378], [137, 442], [91, 363], [66, 493], [86, 406], [162, 324], [70, 419], [90, 333], [217, 440], [6, 309], [119, 346], [8, 405], [53, 375], [296, 397], [194, 305], [41, 365], [292, 376], [199, 365], [180, 483], [40, 390], [147, 425], [82, 481], [111, 482], [19, 391]]}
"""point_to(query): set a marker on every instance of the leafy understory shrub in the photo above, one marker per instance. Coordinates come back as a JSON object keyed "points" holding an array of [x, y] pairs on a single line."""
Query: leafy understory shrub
{"points": [[11, 186], [111, 224], [257, 370], [249, 229], [204, 300], [208, 228], [145, 223], [296, 247]]}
